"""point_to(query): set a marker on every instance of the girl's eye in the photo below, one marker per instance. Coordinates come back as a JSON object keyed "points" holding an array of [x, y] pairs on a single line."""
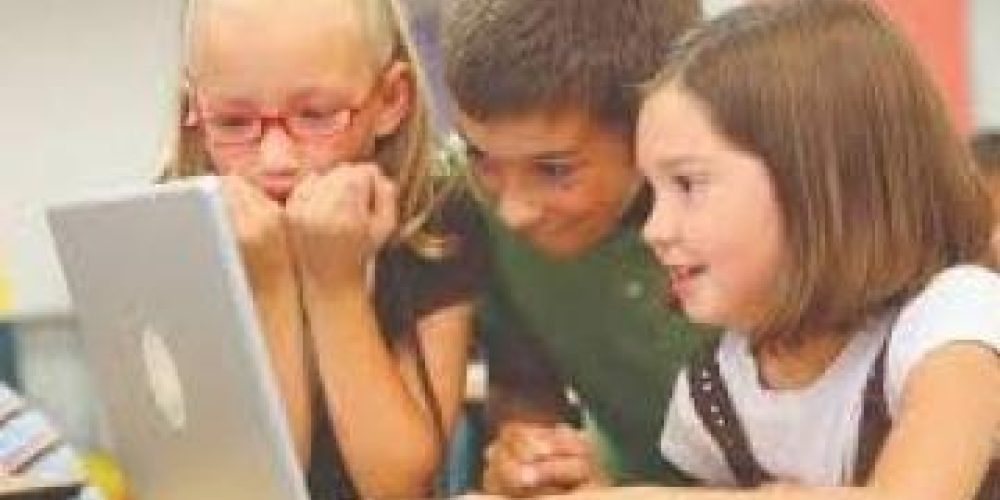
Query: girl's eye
{"points": [[323, 120], [315, 114], [230, 122], [481, 165], [475, 156], [681, 182]]}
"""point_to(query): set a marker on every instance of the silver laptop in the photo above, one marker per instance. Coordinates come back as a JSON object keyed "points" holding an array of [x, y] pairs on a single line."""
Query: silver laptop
{"points": [[171, 337]]}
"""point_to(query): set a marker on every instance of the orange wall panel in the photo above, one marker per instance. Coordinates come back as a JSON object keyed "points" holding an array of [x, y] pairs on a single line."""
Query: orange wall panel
{"points": [[938, 28]]}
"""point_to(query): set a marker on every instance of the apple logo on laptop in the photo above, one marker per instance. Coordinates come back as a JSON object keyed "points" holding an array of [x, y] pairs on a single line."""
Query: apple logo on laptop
{"points": [[161, 372]]}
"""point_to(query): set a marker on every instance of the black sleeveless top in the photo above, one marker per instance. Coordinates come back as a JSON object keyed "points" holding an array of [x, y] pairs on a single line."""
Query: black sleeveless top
{"points": [[406, 287]]}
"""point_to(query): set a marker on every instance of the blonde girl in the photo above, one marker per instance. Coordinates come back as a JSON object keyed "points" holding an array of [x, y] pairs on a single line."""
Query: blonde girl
{"points": [[361, 266]]}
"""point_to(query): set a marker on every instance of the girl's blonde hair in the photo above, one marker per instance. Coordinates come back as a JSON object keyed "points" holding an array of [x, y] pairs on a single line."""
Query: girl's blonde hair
{"points": [[877, 189], [405, 156]]}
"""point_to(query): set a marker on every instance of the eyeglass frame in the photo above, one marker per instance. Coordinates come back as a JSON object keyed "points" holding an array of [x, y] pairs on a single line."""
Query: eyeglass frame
{"points": [[197, 116]]}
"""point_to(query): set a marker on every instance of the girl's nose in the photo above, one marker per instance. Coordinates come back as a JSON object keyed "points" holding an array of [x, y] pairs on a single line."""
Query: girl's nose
{"points": [[278, 150], [661, 229]]}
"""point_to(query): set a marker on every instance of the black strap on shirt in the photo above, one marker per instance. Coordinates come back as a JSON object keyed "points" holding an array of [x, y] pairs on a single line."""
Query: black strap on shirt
{"points": [[875, 420], [716, 411]]}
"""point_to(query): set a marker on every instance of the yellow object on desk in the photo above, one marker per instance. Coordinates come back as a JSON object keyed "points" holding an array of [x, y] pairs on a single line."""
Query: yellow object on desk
{"points": [[103, 472], [5, 288]]}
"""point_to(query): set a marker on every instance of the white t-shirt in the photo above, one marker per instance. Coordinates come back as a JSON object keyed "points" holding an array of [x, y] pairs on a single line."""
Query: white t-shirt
{"points": [[809, 435]]}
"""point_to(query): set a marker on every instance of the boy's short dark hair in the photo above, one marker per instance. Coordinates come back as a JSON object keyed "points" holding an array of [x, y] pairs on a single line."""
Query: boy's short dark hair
{"points": [[511, 57], [986, 149]]}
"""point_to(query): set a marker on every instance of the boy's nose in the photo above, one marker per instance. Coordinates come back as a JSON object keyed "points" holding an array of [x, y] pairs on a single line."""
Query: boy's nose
{"points": [[519, 212]]}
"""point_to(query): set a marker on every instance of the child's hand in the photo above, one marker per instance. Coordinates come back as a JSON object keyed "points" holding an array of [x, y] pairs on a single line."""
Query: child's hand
{"points": [[339, 221], [530, 459], [258, 222]]}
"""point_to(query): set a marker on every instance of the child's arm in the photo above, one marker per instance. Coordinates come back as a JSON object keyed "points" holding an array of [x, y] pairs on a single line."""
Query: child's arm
{"points": [[259, 226], [524, 385], [949, 418], [532, 450], [375, 399], [939, 448]]}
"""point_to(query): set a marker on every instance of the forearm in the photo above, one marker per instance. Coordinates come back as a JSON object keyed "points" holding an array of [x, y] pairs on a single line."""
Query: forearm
{"points": [[385, 434], [523, 386], [280, 317], [507, 404]]}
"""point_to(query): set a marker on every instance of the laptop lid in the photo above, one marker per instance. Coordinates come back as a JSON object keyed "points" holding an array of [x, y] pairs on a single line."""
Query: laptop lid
{"points": [[170, 334]]}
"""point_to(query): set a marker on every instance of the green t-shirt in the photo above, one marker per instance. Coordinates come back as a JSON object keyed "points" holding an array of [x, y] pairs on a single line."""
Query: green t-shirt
{"points": [[600, 320]]}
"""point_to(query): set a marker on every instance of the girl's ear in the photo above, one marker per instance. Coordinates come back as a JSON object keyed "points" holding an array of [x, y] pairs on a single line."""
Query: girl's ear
{"points": [[396, 98], [190, 118], [189, 108]]}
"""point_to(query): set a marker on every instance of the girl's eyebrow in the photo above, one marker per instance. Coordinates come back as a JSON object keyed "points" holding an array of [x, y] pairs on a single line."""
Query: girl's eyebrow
{"points": [[677, 162], [231, 102], [324, 92]]}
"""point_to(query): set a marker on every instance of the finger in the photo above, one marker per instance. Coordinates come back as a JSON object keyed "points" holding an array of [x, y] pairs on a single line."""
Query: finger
{"points": [[303, 191], [247, 201], [564, 471], [569, 441], [239, 208], [526, 442], [508, 477]]}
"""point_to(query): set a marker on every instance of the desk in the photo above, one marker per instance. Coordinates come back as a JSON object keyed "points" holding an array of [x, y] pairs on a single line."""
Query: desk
{"points": [[37, 488]]}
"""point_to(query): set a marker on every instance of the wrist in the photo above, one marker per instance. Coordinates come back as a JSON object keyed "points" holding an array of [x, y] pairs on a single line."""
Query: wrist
{"points": [[272, 281], [327, 305]]}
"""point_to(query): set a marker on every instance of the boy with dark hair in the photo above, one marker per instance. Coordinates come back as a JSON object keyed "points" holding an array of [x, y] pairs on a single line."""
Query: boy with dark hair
{"points": [[986, 149], [545, 95]]}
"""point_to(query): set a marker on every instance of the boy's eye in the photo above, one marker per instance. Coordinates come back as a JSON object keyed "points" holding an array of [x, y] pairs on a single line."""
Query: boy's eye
{"points": [[555, 170]]}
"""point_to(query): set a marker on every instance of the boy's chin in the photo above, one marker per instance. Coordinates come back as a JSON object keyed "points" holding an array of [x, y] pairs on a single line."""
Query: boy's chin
{"points": [[560, 250]]}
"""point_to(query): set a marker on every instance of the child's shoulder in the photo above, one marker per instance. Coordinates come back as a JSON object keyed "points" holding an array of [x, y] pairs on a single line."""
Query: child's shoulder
{"points": [[955, 292], [964, 276], [959, 304]]}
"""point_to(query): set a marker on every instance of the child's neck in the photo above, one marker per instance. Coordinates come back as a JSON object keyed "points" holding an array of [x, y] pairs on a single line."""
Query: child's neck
{"points": [[782, 367]]}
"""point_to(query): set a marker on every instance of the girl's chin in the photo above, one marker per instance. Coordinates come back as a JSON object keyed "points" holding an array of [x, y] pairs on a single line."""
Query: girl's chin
{"points": [[704, 315]]}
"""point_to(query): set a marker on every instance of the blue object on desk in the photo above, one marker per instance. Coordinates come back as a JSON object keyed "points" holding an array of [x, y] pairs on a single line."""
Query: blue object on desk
{"points": [[8, 356]]}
